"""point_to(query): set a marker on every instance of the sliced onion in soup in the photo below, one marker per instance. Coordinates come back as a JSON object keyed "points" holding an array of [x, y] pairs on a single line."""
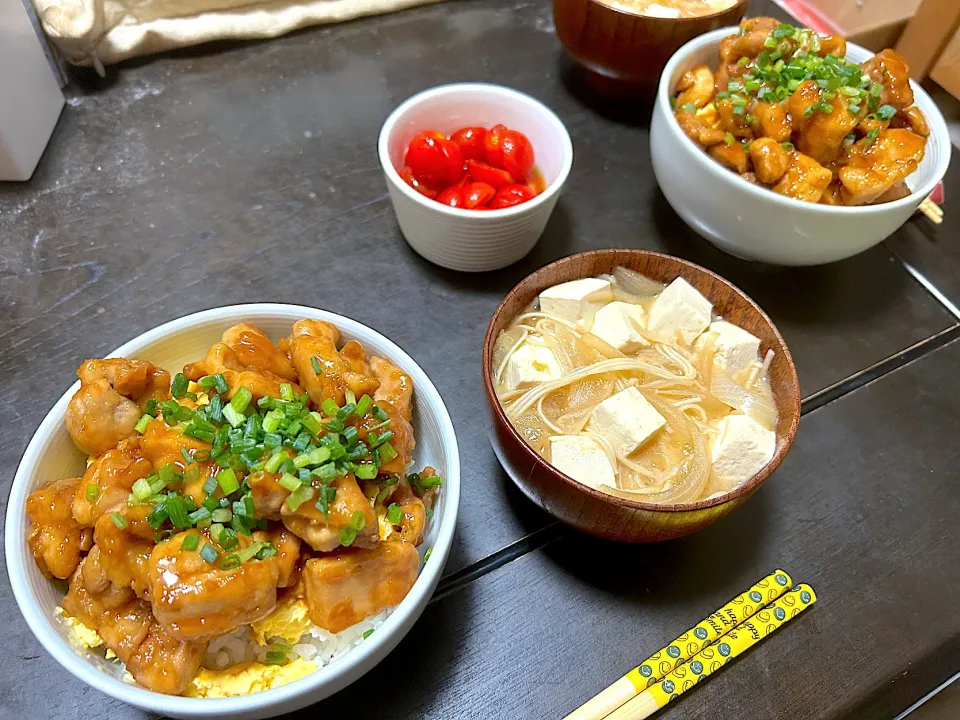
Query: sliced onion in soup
{"points": [[757, 402], [635, 284]]}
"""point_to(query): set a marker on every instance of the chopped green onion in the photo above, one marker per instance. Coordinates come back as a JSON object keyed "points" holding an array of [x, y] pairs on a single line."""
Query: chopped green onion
{"points": [[783, 31], [178, 388], [228, 539], [380, 414], [221, 515], [394, 514], [272, 420], [327, 495], [141, 426], [387, 452], [363, 406], [275, 461], [366, 471], [739, 110], [742, 62], [770, 43], [329, 407], [299, 496], [289, 482], [141, 489], [316, 364], [871, 136], [311, 422], [177, 511], [200, 515], [274, 657], [788, 146], [158, 517], [91, 492], [210, 485], [241, 398], [347, 535], [227, 480], [886, 112], [230, 562], [209, 554], [152, 406], [429, 513], [358, 520], [367, 633], [236, 419], [190, 542], [268, 550], [426, 556], [350, 397], [286, 392], [169, 473], [119, 520], [853, 108]]}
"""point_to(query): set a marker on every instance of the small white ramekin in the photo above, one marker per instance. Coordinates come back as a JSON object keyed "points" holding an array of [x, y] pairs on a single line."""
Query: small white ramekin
{"points": [[474, 240], [755, 223], [51, 455]]}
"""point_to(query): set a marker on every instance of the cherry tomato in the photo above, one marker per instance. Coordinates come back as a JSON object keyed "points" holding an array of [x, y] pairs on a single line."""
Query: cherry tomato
{"points": [[434, 160], [481, 172], [470, 141], [517, 154], [510, 195], [451, 196], [407, 175], [492, 150], [477, 194]]}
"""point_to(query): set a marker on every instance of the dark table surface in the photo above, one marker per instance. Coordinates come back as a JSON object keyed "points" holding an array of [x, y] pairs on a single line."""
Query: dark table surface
{"points": [[248, 173]]}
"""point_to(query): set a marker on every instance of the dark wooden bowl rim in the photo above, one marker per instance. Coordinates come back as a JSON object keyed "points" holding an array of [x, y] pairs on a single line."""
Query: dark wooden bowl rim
{"points": [[745, 488], [654, 18]]}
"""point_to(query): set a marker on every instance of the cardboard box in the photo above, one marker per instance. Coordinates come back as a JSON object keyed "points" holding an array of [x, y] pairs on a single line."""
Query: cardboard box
{"points": [[875, 24]]}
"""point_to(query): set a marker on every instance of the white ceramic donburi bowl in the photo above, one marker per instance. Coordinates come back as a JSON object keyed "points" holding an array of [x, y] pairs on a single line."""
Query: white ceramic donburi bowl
{"points": [[474, 240], [51, 455], [755, 223]]}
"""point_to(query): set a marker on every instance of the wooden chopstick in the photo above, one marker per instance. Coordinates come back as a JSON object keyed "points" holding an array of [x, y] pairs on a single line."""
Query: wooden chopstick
{"points": [[715, 656], [684, 647], [933, 211]]}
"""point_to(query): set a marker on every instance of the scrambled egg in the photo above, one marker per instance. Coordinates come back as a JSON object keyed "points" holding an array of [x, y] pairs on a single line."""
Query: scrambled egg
{"points": [[78, 633], [246, 678], [288, 621]]}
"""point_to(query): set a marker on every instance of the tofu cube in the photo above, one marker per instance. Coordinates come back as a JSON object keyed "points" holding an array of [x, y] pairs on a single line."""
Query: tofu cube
{"points": [[735, 349], [576, 299], [583, 459], [616, 324], [740, 449], [626, 419], [680, 311], [531, 364]]}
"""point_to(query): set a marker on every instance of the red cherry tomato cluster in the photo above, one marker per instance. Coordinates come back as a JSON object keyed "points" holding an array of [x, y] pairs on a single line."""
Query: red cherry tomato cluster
{"points": [[474, 169]]}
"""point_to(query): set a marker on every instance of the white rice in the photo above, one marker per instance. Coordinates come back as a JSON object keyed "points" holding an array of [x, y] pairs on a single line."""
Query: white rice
{"points": [[316, 645]]}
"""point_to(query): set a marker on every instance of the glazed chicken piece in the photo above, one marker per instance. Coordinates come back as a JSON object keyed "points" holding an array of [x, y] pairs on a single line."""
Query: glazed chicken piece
{"points": [[222, 359], [805, 179], [109, 480], [345, 588], [414, 518], [126, 626], [164, 664], [770, 160], [323, 534], [696, 87], [196, 600], [112, 396], [889, 69], [124, 553], [340, 371], [832, 196], [804, 97], [161, 444], [730, 156], [267, 493], [731, 122], [288, 553], [749, 42], [912, 119], [871, 170], [402, 441], [695, 129], [897, 191], [821, 135], [771, 121], [56, 539], [254, 350], [396, 387]]}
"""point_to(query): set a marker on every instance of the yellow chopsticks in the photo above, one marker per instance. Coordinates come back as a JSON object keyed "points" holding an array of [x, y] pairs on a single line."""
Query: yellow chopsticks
{"points": [[712, 658], [684, 647]]}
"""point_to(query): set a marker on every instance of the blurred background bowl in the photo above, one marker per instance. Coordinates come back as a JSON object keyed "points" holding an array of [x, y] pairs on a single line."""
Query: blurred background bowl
{"points": [[622, 52], [474, 240], [598, 513], [755, 223], [51, 455]]}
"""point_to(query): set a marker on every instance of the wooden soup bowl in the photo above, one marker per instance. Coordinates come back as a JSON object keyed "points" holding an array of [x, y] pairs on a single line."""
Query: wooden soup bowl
{"points": [[598, 513], [623, 52]]}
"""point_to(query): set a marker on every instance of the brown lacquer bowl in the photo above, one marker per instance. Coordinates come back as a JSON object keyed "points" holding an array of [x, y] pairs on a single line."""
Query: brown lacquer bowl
{"points": [[623, 53], [598, 513]]}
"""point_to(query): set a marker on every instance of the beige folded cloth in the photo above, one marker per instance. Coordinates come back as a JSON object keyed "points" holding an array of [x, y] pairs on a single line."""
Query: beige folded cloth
{"points": [[90, 32]]}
